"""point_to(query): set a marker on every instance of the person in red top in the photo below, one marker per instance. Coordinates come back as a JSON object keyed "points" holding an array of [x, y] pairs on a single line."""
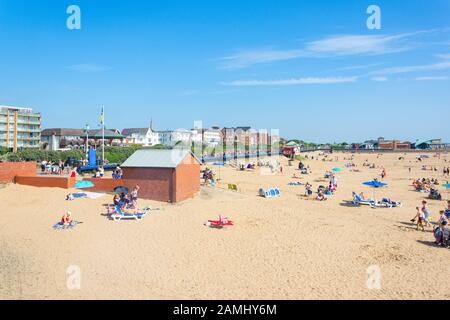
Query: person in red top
{"points": [[67, 218], [73, 174]]}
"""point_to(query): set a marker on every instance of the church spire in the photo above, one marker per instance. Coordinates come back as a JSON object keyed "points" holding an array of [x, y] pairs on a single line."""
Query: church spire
{"points": [[151, 124]]}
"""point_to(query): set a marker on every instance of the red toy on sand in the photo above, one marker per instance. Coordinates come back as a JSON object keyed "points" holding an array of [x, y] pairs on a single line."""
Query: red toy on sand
{"points": [[222, 222]]}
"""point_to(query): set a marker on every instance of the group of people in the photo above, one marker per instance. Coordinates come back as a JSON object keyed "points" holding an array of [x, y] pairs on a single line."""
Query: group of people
{"points": [[208, 177], [303, 169], [369, 165], [99, 173], [127, 202], [323, 191], [117, 173], [249, 166], [446, 172], [48, 167], [425, 185], [423, 219]]}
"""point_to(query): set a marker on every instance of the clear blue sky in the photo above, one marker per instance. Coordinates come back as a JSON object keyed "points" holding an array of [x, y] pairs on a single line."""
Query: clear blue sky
{"points": [[309, 68]]}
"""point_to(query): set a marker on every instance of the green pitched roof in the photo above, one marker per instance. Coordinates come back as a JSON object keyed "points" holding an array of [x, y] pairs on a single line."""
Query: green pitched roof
{"points": [[151, 158]]}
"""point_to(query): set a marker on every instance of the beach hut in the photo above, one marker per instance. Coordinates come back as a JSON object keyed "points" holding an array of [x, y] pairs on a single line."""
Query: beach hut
{"points": [[164, 175], [291, 149]]}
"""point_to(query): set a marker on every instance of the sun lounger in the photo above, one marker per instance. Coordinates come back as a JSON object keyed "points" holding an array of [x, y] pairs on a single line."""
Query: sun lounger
{"points": [[357, 200], [119, 215], [270, 193], [388, 203]]}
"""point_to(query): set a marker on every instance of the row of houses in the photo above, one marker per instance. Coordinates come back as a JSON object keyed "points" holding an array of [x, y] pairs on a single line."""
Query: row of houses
{"points": [[63, 138], [383, 144], [21, 128]]}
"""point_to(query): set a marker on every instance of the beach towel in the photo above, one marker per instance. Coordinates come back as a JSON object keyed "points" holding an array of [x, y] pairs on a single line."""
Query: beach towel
{"points": [[222, 222], [60, 226], [94, 195], [81, 195]]}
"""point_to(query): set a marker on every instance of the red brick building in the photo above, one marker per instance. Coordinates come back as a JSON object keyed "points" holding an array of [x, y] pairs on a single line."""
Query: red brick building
{"points": [[394, 145], [163, 175]]}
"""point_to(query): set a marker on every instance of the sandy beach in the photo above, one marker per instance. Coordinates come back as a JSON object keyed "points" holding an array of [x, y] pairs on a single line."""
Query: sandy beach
{"points": [[281, 248]]}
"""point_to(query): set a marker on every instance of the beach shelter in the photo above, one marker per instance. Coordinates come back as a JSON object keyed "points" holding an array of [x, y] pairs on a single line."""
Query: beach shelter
{"points": [[374, 185], [121, 190], [83, 184]]}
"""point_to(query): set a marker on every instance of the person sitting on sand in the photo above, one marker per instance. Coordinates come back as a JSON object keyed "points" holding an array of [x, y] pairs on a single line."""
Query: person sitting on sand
{"points": [[67, 218], [116, 199], [308, 189], [124, 199], [321, 196], [447, 211], [331, 187]]}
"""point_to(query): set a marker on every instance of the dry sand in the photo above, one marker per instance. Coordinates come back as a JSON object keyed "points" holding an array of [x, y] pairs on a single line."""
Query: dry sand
{"points": [[283, 248]]}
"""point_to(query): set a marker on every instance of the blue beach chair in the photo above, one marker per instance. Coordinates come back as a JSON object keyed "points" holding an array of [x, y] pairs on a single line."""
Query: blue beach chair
{"points": [[119, 215]]}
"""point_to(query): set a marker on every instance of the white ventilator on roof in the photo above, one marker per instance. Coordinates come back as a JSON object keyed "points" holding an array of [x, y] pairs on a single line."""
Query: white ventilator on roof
{"points": [[157, 158]]}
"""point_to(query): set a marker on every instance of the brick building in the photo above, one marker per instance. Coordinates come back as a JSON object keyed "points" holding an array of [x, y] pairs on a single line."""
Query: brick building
{"points": [[163, 175]]}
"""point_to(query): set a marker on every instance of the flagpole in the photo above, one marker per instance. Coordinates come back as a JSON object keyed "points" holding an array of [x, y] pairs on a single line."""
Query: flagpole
{"points": [[103, 136]]}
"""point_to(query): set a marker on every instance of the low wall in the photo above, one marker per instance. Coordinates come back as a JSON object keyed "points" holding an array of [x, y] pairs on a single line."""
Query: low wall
{"points": [[157, 190], [9, 170], [46, 182], [105, 184]]}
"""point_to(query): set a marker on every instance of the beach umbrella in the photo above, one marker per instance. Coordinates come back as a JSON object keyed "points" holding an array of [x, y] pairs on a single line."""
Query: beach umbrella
{"points": [[375, 185], [121, 190], [336, 169], [83, 184]]}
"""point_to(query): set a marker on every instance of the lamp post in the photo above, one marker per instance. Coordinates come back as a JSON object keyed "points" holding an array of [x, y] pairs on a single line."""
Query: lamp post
{"points": [[86, 129]]}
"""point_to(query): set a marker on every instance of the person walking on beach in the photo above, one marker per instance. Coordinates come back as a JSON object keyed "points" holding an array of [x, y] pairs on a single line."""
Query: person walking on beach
{"points": [[422, 216], [383, 173]]}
